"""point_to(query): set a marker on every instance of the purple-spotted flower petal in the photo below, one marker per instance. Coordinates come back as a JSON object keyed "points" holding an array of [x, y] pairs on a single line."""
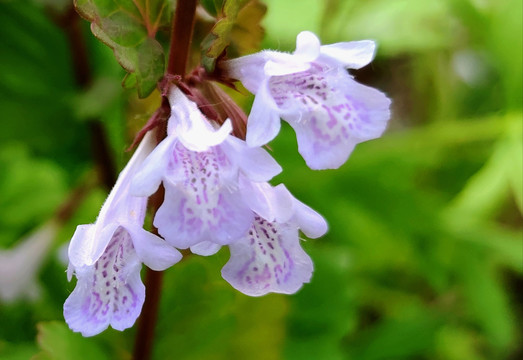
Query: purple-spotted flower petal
{"points": [[269, 258], [312, 91], [107, 256], [199, 165]]}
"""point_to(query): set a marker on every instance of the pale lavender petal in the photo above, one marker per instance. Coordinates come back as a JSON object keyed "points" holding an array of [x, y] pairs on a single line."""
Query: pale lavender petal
{"points": [[88, 243], [284, 64], [109, 292], [147, 180], [353, 54], [204, 202], [263, 123], [152, 250], [319, 151], [256, 163], [284, 205], [119, 204], [270, 203], [330, 113], [269, 259], [249, 69], [205, 248], [366, 109], [309, 221], [197, 214], [259, 197], [201, 138], [188, 124], [307, 46]]}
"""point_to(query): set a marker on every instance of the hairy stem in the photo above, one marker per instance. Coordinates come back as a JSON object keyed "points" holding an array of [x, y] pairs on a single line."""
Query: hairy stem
{"points": [[181, 36]]}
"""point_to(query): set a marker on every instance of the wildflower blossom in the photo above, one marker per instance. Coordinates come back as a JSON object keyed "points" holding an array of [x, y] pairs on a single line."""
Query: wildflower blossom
{"points": [[269, 257], [106, 257], [199, 166], [312, 91]]}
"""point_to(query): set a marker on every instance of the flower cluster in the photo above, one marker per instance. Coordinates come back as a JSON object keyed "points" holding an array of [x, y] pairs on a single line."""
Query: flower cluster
{"points": [[216, 185]]}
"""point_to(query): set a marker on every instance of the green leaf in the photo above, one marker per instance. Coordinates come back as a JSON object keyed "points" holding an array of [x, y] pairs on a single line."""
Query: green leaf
{"points": [[129, 81], [487, 302], [58, 342], [405, 337], [213, 7], [129, 28], [20, 351], [31, 191], [486, 191], [238, 25]]}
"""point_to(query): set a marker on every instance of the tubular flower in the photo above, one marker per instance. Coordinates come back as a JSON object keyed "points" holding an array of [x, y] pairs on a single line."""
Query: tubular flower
{"points": [[107, 257], [199, 165], [312, 91], [269, 257]]}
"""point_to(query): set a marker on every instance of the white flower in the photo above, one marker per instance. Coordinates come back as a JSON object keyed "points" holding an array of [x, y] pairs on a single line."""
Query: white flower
{"points": [[312, 91], [107, 256], [199, 166], [269, 258]]}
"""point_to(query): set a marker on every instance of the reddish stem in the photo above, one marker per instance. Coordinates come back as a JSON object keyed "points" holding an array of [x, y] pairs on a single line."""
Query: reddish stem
{"points": [[144, 341], [181, 36]]}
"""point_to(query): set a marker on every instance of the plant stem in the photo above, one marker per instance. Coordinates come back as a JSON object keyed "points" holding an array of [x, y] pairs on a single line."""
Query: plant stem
{"points": [[144, 341], [181, 36]]}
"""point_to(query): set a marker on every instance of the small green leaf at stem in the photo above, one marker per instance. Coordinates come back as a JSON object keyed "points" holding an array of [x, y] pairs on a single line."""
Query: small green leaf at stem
{"points": [[238, 26], [129, 28]]}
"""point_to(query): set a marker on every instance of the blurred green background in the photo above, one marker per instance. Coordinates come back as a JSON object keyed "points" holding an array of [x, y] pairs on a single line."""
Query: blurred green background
{"points": [[424, 256]]}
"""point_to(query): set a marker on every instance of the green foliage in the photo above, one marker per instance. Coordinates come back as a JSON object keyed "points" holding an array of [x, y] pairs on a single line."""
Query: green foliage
{"points": [[129, 28], [31, 190], [423, 255], [59, 343], [237, 25]]}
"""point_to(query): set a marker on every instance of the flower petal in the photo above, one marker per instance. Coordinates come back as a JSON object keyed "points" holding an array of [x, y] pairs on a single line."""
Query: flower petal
{"points": [[188, 217], [256, 163], [330, 113], [249, 69], [205, 248], [147, 180], [309, 221], [269, 259], [152, 250], [259, 197], [270, 203], [284, 64], [201, 138], [353, 54], [190, 126], [321, 151], [263, 123], [366, 109], [110, 292], [307, 46], [88, 244]]}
